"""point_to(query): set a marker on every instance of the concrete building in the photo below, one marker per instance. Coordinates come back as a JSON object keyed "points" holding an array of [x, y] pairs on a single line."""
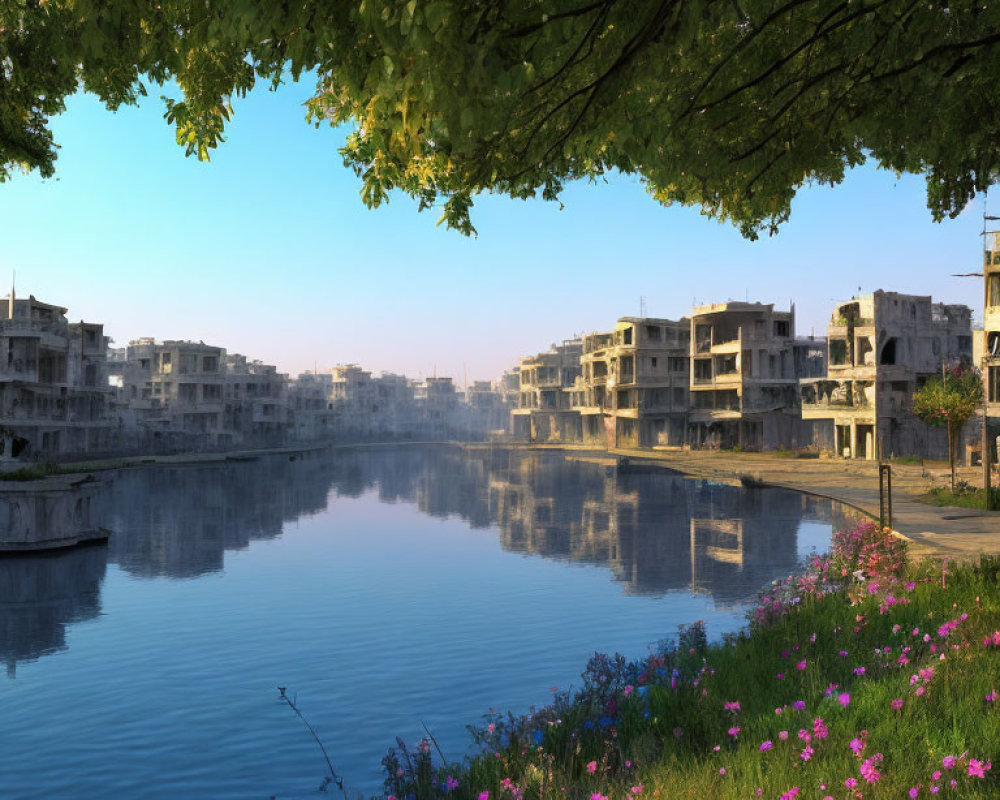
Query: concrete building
{"points": [[543, 412], [882, 348], [309, 406], [54, 393], [175, 391], [633, 387], [745, 368], [487, 406], [256, 402], [989, 359]]}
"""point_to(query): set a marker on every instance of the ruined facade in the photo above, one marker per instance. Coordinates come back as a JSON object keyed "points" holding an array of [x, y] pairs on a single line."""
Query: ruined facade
{"points": [[54, 394], [745, 368], [990, 341], [882, 348], [543, 412], [256, 401], [175, 392], [633, 387]]}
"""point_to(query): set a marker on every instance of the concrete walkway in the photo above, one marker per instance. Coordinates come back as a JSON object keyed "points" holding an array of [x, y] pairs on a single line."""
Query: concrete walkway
{"points": [[937, 532]]}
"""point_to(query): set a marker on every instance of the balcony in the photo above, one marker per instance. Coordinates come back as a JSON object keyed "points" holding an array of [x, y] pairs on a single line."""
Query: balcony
{"points": [[823, 398]]}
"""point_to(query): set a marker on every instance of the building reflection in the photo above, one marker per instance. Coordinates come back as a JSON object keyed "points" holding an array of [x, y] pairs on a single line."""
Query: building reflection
{"points": [[656, 532], [41, 594]]}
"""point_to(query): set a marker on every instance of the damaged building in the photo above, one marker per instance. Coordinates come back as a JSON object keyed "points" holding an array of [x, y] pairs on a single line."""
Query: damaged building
{"points": [[882, 349], [543, 412], [745, 367], [54, 393], [633, 387], [990, 342]]}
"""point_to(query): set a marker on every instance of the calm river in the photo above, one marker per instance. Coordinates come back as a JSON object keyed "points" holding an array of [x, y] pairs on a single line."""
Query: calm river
{"points": [[387, 588]]}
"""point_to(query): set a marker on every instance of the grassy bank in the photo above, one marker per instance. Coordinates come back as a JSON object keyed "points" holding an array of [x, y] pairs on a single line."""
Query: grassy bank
{"points": [[964, 496], [865, 677]]}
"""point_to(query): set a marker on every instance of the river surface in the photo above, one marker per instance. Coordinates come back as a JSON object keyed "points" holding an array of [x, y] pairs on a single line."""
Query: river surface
{"points": [[388, 589]]}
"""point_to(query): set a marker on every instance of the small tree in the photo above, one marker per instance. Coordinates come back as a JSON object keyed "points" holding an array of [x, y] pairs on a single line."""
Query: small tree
{"points": [[951, 400]]}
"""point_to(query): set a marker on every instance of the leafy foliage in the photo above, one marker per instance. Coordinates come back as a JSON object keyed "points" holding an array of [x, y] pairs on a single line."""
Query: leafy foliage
{"points": [[731, 106], [951, 400]]}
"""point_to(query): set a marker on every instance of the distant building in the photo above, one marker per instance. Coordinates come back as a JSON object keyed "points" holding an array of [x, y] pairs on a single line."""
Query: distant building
{"points": [[543, 412], [54, 393], [745, 368], [310, 407], [882, 348], [256, 402], [175, 391], [990, 338], [633, 390]]}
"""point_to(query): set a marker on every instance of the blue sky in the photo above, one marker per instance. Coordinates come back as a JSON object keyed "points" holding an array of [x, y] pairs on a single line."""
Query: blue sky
{"points": [[267, 250]]}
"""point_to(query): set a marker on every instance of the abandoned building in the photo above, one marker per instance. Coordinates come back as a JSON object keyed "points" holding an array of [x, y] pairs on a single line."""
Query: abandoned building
{"points": [[309, 406], [175, 395], [53, 383], [256, 403], [543, 412], [745, 368], [633, 387], [990, 343], [882, 348]]}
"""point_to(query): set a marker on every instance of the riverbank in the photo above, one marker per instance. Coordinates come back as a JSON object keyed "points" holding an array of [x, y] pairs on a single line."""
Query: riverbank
{"points": [[942, 532], [868, 676]]}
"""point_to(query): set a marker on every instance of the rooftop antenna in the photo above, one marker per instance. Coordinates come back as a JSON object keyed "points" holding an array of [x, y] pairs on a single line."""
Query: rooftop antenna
{"points": [[10, 305], [642, 307]]}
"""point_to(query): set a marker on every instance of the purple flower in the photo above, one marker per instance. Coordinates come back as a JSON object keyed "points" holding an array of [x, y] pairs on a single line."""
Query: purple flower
{"points": [[766, 745], [844, 699]]}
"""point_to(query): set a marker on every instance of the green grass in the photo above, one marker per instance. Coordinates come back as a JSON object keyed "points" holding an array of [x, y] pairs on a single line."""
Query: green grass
{"points": [[34, 472], [671, 737], [964, 496]]}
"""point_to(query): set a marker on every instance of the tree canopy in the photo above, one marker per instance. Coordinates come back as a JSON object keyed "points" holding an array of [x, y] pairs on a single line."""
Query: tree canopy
{"points": [[951, 400], [731, 105]]}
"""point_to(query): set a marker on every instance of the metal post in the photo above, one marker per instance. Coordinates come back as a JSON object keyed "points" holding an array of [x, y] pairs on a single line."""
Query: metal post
{"points": [[885, 495]]}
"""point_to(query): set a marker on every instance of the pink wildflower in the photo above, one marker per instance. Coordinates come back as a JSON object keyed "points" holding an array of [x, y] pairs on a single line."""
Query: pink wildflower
{"points": [[790, 794], [732, 705], [914, 792], [766, 745], [948, 762], [591, 767], [869, 769], [734, 731], [851, 783], [484, 796], [844, 699], [637, 789], [857, 746], [897, 704], [783, 735], [801, 665], [807, 753], [977, 768]]}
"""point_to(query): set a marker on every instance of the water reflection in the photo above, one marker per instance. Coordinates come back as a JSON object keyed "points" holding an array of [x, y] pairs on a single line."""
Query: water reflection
{"points": [[656, 532], [41, 594]]}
